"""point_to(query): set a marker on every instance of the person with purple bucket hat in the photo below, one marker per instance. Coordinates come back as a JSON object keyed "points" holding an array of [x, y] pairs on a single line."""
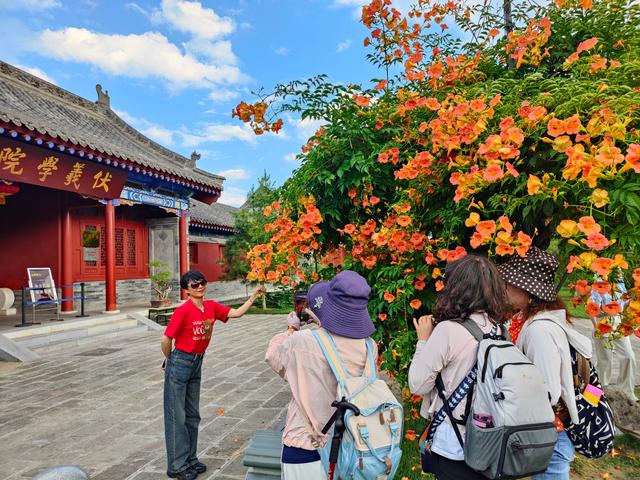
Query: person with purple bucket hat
{"points": [[341, 305]]}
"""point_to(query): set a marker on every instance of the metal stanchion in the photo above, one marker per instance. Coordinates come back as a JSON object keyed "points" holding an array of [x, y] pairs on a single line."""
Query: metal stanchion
{"points": [[23, 314], [23, 323], [82, 314]]}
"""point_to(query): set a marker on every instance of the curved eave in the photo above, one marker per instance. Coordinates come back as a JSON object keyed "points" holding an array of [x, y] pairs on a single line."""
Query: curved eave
{"points": [[24, 133]]}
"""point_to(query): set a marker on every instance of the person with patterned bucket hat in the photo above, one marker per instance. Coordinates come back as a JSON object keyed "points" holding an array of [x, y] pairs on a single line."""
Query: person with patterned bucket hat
{"points": [[532, 291]]}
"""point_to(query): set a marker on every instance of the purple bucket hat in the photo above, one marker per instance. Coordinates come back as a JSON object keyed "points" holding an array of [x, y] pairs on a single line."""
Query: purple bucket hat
{"points": [[342, 305]]}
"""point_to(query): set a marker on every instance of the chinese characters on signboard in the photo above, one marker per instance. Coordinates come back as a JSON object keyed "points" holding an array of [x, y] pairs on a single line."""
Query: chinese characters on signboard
{"points": [[38, 166], [42, 286]]}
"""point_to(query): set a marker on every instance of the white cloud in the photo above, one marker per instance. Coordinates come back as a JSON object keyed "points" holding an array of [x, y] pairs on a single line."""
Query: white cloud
{"points": [[218, 132], [246, 25], [306, 128], [215, 51], [137, 8], [342, 46], [282, 51], [29, 4], [291, 157], [193, 18], [152, 130], [159, 134], [234, 174], [222, 95], [141, 56], [37, 72], [233, 196]]}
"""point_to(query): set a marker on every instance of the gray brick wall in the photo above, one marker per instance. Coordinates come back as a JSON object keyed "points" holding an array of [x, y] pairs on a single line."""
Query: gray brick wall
{"points": [[131, 291], [138, 292]]}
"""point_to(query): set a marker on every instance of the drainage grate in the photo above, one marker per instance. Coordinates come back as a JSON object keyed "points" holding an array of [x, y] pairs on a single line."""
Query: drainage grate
{"points": [[98, 352]]}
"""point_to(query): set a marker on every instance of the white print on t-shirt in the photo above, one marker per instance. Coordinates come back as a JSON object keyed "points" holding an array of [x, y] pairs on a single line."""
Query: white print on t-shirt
{"points": [[202, 329]]}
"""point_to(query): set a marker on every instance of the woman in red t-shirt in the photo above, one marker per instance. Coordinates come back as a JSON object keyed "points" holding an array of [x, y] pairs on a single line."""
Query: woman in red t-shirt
{"points": [[190, 328]]}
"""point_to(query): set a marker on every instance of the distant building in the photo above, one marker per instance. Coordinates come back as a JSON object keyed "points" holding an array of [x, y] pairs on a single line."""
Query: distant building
{"points": [[84, 193], [209, 228]]}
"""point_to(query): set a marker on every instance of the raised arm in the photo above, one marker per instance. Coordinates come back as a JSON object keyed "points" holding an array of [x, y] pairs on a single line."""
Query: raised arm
{"points": [[240, 311]]}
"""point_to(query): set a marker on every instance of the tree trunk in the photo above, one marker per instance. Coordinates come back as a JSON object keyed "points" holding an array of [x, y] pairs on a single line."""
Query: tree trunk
{"points": [[508, 27]]}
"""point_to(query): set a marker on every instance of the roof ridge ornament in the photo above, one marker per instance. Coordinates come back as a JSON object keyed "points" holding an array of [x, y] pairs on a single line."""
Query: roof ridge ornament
{"points": [[195, 156], [103, 97]]}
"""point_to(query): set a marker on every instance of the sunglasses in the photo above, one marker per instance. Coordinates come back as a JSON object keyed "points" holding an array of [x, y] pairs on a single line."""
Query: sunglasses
{"points": [[198, 284]]}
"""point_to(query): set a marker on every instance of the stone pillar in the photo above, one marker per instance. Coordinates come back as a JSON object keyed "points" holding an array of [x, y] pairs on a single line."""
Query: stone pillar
{"points": [[110, 257], [184, 246], [67, 256]]}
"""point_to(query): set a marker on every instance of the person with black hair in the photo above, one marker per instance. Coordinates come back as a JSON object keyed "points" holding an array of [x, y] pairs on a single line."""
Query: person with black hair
{"points": [[190, 327], [473, 290]]}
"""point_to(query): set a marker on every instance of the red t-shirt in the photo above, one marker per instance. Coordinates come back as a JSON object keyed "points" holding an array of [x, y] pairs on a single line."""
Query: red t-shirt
{"points": [[192, 328]]}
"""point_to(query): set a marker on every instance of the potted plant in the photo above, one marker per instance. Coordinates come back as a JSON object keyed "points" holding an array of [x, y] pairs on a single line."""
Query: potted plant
{"points": [[161, 284]]}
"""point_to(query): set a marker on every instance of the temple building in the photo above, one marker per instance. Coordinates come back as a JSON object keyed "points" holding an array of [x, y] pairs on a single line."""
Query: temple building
{"points": [[210, 226], [88, 196]]}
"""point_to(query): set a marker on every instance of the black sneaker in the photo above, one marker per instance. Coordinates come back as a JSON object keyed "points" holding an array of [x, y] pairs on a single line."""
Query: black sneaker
{"points": [[188, 474], [199, 467]]}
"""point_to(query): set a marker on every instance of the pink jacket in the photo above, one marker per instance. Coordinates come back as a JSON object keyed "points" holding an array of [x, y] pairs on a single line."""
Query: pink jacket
{"points": [[450, 350], [298, 359]]}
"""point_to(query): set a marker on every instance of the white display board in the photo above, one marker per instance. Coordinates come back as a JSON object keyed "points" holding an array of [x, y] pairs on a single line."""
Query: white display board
{"points": [[42, 284]]}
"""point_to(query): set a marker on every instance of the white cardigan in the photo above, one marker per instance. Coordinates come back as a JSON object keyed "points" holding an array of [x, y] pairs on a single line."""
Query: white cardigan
{"points": [[546, 344]]}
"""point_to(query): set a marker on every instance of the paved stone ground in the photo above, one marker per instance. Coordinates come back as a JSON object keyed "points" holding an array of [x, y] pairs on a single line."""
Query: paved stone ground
{"points": [[102, 409]]}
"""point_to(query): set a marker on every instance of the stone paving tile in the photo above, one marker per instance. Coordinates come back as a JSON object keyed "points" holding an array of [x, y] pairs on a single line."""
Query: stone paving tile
{"points": [[104, 413]]}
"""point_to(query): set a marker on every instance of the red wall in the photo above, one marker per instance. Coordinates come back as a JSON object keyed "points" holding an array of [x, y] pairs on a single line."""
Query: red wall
{"points": [[207, 259], [129, 220], [29, 233]]}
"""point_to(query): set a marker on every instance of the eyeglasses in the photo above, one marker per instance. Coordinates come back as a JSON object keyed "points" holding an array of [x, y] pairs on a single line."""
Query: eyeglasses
{"points": [[198, 284]]}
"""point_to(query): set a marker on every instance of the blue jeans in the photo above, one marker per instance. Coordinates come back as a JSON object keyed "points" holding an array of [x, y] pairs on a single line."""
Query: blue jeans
{"points": [[181, 409], [562, 456]]}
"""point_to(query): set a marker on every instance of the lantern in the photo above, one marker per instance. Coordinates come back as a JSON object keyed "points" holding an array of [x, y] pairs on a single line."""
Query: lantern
{"points": [[7, 189]]}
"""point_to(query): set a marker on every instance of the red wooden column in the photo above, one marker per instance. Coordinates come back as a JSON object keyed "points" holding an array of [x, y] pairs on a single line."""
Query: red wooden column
{"points": [[110, 256], [184, 245], [67, 255]]}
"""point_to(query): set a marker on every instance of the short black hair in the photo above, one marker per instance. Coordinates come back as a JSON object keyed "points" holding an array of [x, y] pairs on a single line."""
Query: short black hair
{"points": [[191, 276]]}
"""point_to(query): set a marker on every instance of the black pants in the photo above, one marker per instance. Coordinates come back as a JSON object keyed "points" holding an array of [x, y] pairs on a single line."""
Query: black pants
{"points": [[446, 469]]}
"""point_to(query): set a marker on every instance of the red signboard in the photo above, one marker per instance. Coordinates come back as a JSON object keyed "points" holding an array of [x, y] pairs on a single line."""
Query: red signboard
{"points": [[20, 162]]}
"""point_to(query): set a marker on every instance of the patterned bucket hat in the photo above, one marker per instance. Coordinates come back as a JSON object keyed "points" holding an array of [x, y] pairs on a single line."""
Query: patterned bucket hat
{"points": [[534, 273]]}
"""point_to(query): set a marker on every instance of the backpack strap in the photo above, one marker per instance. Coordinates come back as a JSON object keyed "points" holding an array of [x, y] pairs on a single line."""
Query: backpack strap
{"points": [[473, 328], [331, 354], [477, 333], [581, 367], [370, 370], [462, 391], [447, 407]]}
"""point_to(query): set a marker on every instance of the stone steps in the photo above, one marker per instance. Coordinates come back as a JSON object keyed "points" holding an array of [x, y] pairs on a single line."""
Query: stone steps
{"points": [[79, 334], [81, 343], [54, 327], [262, 456]]}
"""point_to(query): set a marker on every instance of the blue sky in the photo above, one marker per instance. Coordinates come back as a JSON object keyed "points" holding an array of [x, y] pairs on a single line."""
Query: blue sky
{"points": [[175, 68]]}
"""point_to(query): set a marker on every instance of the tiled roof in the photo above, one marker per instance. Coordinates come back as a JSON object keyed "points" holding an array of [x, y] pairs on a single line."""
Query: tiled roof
{"points": [[26, 100], [216, 214]]}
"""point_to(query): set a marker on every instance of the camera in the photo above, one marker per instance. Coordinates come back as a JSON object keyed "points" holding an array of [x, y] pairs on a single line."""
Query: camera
{"points": [[300, 303]]}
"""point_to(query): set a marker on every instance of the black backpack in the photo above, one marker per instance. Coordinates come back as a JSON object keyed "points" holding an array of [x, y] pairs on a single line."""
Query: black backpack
{"points": [[592, 436]]}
